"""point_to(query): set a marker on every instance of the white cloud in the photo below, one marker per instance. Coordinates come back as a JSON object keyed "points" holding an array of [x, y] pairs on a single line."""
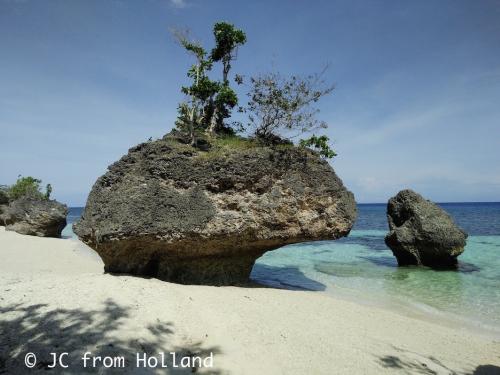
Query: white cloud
{"points": [[178, 3]]}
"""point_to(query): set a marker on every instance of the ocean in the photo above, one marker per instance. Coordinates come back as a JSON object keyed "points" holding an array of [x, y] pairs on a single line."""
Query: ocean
{"points": [[360, 267]]}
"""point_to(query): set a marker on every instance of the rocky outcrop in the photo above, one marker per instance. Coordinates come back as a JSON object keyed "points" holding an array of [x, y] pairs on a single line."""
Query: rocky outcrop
{"points": [[4, 202], [173, 212], [422, 233], [35, 217], [4, 197]]}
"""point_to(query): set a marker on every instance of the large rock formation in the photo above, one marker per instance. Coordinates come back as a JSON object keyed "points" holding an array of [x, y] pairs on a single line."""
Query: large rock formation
{"points": [[35, 217], [170, 211], [422, 233]]}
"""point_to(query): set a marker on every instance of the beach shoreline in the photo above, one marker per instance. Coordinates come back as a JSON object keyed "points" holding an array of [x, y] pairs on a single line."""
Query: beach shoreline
{"points": [[418, 311], [62, 300]]}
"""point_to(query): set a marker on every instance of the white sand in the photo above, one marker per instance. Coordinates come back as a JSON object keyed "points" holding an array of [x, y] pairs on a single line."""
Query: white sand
{"points": [[55, 298]]}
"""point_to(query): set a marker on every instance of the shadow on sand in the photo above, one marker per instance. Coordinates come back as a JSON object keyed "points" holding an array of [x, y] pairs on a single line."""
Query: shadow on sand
{"points": [[37, 329], [413, 363], [290, 278]]}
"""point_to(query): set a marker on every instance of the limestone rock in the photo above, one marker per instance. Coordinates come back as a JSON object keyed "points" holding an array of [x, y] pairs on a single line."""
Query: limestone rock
{"points": [[4, 202], [422, 233], [4, 197], [35, 217], [173, 212]]}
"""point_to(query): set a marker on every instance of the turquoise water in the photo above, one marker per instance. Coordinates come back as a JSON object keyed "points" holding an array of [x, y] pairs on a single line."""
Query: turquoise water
{"points": [[361, 267]]}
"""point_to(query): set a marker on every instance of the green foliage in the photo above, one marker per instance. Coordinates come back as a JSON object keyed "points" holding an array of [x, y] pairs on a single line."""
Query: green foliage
{"points": [[234, 142], [225, 101], [183, 119], [227, 144], [196, 49], [192, 113], [277, 108], [319, 144], [191, 46], [202, 89], [227, 40], [226, 97], [29, 186], [209, 102], [238, 79], [48, 191]]}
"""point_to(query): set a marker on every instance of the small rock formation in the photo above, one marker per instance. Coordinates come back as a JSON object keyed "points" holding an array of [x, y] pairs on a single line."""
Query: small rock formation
{"points": [[173, 212], [4, 198], [422, 233], [35, 217], [4, 202]]}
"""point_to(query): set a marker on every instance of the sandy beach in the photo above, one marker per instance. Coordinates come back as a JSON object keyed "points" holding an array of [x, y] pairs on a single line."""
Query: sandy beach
{"points": [[56, 298]]}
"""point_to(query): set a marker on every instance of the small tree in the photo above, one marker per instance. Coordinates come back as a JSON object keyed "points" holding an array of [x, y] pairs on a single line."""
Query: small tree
{"points": [[192, 115], [28, 187], [279, 106], [227, 40], [210, 102], [48, 191], [319, 144]]}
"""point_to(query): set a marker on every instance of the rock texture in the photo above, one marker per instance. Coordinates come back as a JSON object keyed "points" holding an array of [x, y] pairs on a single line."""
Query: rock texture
{"points": [[170, 211], [422, 233], [35, 217], [4, 198], [4, 202]]}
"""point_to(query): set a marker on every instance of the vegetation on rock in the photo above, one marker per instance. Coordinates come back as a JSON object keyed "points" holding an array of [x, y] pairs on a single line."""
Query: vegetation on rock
{"points": [[319, 144], [4, 194], [28, 187], [26, 209], [209, 102], [35, 217], [279, 108]]}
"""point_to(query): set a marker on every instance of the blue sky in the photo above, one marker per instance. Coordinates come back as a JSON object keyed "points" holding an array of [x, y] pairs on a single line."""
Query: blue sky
{"points": [[416, 104]]}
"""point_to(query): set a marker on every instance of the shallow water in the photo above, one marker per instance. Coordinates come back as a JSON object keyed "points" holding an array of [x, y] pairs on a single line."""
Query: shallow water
{"points": [[363, 268]]}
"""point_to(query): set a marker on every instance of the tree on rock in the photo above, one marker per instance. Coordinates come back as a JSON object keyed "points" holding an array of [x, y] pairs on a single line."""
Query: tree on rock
{"points": [[227, 40], [209, 102], [319, 144], [192, 114], [279, 108], [28, 187], [283, 107]]}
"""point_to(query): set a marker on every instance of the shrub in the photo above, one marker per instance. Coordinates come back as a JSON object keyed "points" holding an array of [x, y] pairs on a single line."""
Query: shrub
{"points": [[319, 144], [279, 106], [28, 187]]}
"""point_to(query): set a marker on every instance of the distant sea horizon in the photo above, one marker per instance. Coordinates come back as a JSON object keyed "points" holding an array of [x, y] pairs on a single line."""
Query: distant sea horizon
{"points": [[361, 267]]}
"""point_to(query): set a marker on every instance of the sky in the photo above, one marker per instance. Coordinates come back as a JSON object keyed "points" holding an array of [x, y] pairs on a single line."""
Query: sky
{"points": [[416, 103]]}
